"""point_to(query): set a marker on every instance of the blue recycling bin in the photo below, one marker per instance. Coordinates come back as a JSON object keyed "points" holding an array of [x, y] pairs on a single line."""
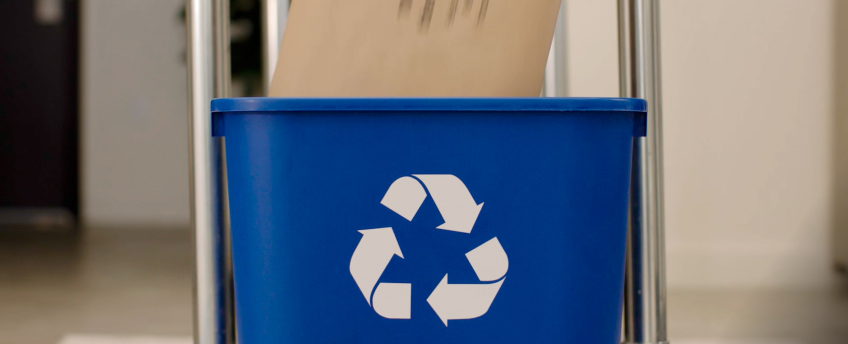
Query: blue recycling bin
{"points": [[428, 220]]}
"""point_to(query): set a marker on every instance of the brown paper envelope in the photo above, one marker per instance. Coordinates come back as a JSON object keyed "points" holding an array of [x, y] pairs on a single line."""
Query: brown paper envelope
{"points": [[415, 48]]}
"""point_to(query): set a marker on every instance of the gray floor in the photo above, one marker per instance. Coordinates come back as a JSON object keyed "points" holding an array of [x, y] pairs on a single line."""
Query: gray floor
{"points": [[106, 282], [138, 282], [761, 317]]}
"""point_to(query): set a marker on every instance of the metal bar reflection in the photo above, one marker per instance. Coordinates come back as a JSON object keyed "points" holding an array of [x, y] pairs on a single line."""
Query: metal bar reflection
{"points": [[645, 294], [208, 76], [556, 70], [274, 16]]}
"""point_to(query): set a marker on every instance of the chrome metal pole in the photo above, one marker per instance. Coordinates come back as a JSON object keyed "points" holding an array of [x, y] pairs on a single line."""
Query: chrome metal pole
{"points": [[221, 23], [224, 264], [645, 292], [274, 16], [556, 75], [208, 76]]}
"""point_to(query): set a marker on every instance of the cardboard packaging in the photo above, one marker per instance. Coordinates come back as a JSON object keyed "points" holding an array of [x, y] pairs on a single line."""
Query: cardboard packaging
{"points": [[415, 48]]}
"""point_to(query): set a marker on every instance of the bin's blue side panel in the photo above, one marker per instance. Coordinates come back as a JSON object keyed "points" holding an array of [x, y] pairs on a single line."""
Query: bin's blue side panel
{"points": [[555, 190]]}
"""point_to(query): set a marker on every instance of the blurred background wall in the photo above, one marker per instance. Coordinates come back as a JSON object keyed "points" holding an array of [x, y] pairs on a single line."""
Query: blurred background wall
{"points": [[134, 105], [750, 128], [749, 139]]}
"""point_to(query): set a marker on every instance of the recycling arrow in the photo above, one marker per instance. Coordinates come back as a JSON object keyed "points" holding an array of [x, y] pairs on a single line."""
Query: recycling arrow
{"points": [[468, 301], [371, 257], [393, 300], [459, 210], [404, 197], [489, 261], [462, 301]]}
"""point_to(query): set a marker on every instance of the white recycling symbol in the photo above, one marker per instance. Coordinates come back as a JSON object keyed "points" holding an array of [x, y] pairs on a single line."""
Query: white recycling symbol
{"points": [[377, 247]]}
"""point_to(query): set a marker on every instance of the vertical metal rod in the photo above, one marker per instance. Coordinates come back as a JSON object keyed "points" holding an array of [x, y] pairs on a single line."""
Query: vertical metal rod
{"points": [[221, 22], [556, 73], [223, 83], [201, 74], [209, 76], [274, 16], [645, 293]]}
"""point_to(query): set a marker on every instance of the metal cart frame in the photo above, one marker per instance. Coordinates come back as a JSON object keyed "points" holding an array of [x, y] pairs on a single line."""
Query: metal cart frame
{"points": [[209, 78]]}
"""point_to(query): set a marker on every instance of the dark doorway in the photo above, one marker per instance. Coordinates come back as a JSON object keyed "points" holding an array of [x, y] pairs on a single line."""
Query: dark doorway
{"points": [[39, 42]]}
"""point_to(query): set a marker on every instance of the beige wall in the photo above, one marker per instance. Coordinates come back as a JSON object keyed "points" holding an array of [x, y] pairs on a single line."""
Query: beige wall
{"points": [[748, 90], [592, 52], [840, 132], [748, 97], [134, 125]]}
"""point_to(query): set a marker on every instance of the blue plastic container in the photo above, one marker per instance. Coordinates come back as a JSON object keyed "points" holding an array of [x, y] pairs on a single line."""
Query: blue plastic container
{"points": [[428, 220]]}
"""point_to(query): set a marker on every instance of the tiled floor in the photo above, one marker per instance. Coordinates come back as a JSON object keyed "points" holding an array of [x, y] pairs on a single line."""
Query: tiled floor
{"points": [[105, 282], [105, 285]]}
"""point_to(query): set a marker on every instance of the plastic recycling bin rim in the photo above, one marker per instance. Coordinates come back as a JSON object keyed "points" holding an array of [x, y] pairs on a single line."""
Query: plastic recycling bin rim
{"points": [[260, 104]]}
